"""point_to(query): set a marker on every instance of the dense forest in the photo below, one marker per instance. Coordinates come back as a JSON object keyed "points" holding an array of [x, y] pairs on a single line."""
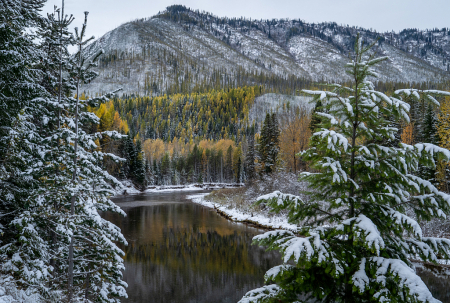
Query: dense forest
{"points": [[207, 137]]}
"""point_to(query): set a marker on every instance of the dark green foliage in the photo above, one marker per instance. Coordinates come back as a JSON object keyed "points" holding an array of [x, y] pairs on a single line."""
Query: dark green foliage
{"points": [[355, 239], [315, 119], [134, 166], [249, 163], [429, 135], [429, 132], [269, 141], [139, 173]]}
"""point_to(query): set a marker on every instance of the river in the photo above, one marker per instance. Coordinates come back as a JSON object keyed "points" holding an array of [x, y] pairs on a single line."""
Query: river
{"points": [[179, 251]]}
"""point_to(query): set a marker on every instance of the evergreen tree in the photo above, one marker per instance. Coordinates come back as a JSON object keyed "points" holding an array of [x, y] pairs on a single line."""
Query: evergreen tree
{"points": [[139, 174], [429, 135], [149, 174], [130, 155], [274, 147], [52, 187], [315, 118], [166, 171], [250, 158], [24, 116], [94, 260], [269, 143], [357, 241], [430, 126]]}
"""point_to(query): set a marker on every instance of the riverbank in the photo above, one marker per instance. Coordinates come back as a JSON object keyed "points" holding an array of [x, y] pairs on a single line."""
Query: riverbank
{"points": [[191, 187], [130, 189], [234, 214], [238, 204]]}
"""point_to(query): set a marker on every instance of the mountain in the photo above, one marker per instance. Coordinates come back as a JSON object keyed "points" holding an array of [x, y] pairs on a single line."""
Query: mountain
{"points": [[181, 50]]}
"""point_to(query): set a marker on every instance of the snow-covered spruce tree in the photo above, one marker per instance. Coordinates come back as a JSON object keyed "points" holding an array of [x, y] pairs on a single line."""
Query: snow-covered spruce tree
{"points": [[429, 135], [140, 165], [357, 243], [250, 158], [268, 145], [95, 263], [38, 180], [22, 250]]}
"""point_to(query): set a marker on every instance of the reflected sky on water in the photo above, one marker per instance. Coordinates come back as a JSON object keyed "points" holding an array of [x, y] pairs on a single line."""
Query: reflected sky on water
{"points": [[183, 252]]}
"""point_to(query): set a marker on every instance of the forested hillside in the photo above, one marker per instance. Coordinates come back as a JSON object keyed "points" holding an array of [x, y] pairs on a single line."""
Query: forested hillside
{"points": [[182, 50], [213, 115]]}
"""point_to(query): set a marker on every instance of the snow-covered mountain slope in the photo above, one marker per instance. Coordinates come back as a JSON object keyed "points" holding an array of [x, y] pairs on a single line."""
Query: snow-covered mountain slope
{"points": [[180, 49], [276, 103]]}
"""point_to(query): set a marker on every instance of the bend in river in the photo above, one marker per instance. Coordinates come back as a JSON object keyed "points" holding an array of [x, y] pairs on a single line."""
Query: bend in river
{"points": [[179, 251]]}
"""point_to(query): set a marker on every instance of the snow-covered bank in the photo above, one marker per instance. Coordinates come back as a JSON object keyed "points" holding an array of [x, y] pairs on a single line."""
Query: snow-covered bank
{"points": [[238, 204], [191, 187], [274, 222], [129, 188]]}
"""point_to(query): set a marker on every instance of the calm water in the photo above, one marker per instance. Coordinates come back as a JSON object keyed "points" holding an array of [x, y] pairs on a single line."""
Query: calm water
{"points": [[183, 252]]}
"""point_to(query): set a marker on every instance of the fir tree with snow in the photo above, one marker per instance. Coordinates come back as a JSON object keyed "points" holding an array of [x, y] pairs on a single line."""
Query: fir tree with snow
{"points": [[95, 263], [429, 135], [269, 143], [357, 243], [250, 158], [52, 186]]}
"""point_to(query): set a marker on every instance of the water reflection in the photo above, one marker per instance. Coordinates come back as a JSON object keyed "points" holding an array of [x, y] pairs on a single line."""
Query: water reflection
{"points": [[183, 252]]}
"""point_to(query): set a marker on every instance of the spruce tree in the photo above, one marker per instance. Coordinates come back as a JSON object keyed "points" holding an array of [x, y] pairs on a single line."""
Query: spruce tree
{"points": [[95, 262], [429, 135], [315, 118], [263, 143], [139, 174], [24, 252], [130, 156], [269, 143], [356, 241], [250, 158], [274, 147], [55, 214]]}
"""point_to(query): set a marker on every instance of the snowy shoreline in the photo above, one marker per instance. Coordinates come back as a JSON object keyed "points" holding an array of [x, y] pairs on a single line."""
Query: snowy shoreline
{"points": [[130, 189], [233, 214]]}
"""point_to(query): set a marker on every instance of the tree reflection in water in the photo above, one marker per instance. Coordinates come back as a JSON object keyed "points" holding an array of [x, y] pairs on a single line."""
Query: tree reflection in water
{"points": [[183, 252]]}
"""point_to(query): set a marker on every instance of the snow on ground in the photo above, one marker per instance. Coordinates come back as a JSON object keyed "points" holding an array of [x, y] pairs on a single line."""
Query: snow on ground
{"points": [[10, 293], [276, 222], [238, 204], [128, 189], [190, 187]]}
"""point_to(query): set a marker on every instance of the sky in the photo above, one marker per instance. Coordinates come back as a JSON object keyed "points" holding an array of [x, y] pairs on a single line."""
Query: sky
{"points": [[380, 15]]}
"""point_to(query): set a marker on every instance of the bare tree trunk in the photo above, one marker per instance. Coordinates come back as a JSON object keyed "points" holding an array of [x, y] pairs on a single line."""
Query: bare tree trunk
{"points": [[72, 201], [61, 20]]}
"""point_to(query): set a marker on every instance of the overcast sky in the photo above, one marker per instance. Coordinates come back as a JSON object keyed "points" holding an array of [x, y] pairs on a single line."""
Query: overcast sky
{"points": [[381, 15]]}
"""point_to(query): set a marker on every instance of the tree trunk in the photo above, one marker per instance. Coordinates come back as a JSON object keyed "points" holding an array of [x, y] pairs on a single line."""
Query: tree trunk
{"points": [[72, 201]]}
